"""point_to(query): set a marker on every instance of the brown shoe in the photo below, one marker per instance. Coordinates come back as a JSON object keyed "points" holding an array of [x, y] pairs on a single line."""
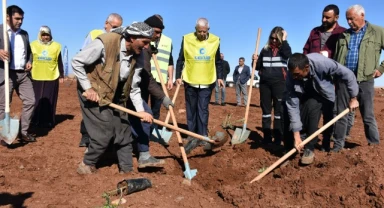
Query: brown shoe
{"points": [[27, 138], [85, 169]]}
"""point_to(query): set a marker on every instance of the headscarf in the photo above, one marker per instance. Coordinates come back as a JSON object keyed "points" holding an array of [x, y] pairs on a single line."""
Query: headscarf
{"points": [[44, 30], [135, 29]]}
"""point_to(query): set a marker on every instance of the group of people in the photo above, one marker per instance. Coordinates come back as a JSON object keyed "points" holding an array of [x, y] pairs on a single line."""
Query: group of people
{"points": [[336, 71], [132, 81], [38, 88]]}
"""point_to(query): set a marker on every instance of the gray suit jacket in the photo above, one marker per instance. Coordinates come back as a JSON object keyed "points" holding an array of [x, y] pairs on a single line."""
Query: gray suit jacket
{"points": [[25, 36]]}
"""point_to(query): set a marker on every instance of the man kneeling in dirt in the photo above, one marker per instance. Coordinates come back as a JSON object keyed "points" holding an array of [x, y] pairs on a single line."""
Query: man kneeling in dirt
{"points": [[106, 69], [309, 92]]}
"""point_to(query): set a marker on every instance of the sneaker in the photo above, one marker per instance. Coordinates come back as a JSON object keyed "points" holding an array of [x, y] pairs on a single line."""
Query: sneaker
{"points": [[151, 162], [223, 104], [336, 149], [85, 169], [307, 157], [125, 170]]}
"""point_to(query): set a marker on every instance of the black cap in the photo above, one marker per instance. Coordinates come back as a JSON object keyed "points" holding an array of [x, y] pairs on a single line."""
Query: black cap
{"points": [[154, 21]]}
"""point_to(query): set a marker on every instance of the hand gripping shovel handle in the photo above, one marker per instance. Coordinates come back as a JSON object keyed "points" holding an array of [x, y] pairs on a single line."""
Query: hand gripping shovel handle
{"points": [[189, 174], [286, 156]]}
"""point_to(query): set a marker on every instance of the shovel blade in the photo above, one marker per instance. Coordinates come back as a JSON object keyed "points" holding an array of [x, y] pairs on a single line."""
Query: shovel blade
{"points": [[240, 136], [163, 136], [9, 129], [188, 173]]}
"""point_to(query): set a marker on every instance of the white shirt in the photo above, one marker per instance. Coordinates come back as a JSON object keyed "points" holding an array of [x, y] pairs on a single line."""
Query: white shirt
{"points": [[240, 69], [17, 47]]}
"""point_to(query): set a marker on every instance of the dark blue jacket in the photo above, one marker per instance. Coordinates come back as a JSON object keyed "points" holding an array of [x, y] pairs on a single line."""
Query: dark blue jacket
{"points": [[245, 74]]}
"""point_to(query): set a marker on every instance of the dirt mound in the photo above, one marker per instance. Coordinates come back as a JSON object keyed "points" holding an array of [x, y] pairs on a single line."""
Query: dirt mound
{"points": [[43, 174]]}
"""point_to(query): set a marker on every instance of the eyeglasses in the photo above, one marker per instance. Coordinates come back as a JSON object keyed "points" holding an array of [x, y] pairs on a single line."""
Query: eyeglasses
{"points": [[113, 26]]}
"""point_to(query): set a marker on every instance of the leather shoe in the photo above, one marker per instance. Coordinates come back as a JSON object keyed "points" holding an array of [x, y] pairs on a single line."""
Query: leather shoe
{"points": [[27, 138]]}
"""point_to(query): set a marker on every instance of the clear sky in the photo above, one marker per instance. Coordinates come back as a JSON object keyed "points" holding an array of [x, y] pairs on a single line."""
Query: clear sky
{"points": [[235, 22]]}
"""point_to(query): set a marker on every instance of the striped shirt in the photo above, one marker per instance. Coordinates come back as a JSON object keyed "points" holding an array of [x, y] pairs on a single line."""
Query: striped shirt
{"points": [[352, 58]]}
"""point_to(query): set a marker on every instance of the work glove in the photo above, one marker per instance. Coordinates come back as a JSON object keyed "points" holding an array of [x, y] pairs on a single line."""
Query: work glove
{"points": [[167, 102], [154, 49]]}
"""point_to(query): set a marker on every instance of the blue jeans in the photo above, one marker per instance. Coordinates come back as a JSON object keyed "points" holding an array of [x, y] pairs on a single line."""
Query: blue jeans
{"points": [[141, 131], [218, 90]]}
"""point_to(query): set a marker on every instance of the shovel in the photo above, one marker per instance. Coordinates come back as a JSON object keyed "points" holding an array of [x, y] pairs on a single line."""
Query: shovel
{"points": [[188, 173], [218, 142], [240, 135], [9, 127], [286, 156], [164, 134]]}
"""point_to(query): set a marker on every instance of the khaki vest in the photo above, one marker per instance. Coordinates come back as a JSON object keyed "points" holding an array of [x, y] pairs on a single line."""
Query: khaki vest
{"points": [[105, 77], [164, 52], [200, 59]]}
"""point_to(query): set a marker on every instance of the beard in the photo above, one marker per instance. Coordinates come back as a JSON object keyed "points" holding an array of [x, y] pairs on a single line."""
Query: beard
{"points": [[328, 25]]}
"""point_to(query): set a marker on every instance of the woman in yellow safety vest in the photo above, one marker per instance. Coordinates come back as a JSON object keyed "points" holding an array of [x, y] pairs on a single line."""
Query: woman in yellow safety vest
{"points": [[47, 71]]}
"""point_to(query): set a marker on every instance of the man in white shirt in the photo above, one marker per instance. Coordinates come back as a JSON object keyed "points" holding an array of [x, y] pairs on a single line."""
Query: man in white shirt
{"points": [[20, 65]]}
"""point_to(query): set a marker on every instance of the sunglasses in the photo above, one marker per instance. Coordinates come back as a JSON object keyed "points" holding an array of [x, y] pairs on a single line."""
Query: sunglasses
{"points": [[272, 38]]}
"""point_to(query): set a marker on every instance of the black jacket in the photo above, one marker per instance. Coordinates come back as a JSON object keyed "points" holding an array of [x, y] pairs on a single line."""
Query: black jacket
{"points": [[273, 67]]}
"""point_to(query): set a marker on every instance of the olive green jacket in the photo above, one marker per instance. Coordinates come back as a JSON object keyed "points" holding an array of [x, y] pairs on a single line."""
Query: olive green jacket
{"points": [[369, 52]]}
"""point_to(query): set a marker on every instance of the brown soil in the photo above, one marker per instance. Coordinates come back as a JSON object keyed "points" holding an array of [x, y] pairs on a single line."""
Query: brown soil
{"points": [[43, 174]]}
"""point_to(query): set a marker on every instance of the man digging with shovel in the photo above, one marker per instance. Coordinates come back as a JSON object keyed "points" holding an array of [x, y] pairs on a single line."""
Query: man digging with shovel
{"points": [[309, 92], [105, 81]]}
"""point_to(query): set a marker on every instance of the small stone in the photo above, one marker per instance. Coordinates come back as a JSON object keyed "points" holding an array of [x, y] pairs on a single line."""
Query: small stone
{"points": [[179, 198], [116, 202]]}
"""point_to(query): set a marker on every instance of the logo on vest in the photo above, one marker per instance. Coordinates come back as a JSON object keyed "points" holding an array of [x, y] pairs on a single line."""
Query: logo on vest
{"points": [[202, 56], [44, 56]]}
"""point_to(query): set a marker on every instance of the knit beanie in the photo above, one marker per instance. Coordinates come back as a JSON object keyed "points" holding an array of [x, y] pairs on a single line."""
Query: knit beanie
{"points": [[154, 21]]}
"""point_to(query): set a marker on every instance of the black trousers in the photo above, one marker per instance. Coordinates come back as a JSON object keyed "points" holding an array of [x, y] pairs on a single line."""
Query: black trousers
{"points": [[311, 108], [46, 95], [271, 94], [197, 103], [105, 124]]}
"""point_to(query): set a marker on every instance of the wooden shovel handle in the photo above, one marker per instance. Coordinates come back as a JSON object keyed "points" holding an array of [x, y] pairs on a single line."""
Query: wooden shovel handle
{"points": [[252, 76], [161, 123], [286, 156], [6, 62]]}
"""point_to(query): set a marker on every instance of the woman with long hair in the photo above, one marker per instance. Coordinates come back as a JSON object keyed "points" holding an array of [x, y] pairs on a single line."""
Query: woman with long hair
{"points": [[272, 69]]}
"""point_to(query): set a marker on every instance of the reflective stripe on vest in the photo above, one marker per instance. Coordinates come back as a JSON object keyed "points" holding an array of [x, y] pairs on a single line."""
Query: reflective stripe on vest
{"points": [[45, 61], [164, 52], [95, 33], [199, 59]]}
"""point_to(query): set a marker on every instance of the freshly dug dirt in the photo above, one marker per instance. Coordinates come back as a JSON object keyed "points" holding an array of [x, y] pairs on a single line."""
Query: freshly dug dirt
{"points": [[43, 174]]}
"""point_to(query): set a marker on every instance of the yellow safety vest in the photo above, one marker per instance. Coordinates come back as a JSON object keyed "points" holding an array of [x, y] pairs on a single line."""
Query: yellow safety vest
{"points": [[164, 52], [95, 33], [45, 65], [199, 59]]}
